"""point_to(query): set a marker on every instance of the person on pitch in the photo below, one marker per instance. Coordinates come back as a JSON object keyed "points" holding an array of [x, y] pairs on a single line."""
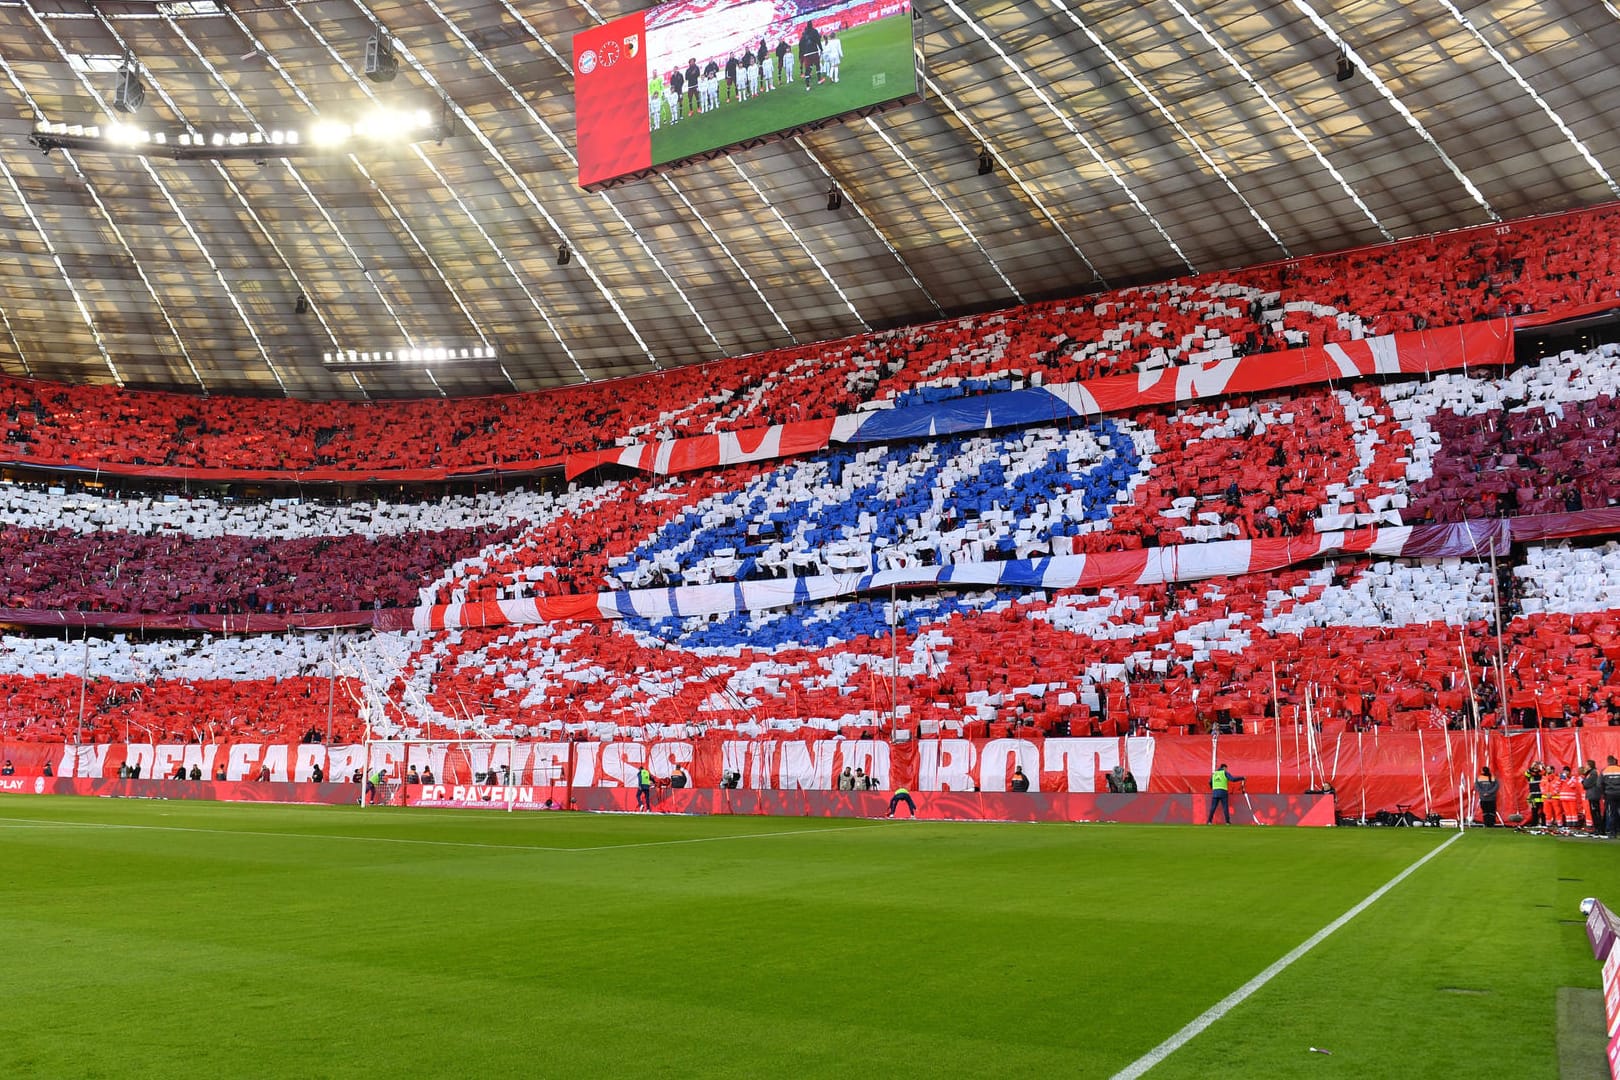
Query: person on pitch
{"points": [[694, 102], [1611, 797], [655, 101], [711, 86], [1220, 793], [427, 774], [316, 775], [1486, 787], [784, 61], [1592, 787], [901, 795], [767, 70], [1567, 799], [809, 53], [644, 786], [677, 84], [750, 73], [832, 55], [677, 779], [846, 780], [1020, 782], [1532, 777], [413, 777]]}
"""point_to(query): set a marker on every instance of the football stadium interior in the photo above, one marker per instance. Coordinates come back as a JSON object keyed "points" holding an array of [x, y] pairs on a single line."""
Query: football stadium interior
{"points": [[1160, 386]]}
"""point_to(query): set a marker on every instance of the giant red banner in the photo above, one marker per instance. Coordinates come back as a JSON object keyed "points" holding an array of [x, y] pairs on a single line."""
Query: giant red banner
{"points": [[1426, 772]]}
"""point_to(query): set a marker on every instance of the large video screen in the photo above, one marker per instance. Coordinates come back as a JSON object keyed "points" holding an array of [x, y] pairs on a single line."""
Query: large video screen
{"points": [[690, 78]]}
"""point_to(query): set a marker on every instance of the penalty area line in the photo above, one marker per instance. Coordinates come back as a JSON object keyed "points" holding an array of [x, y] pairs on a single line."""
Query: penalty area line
{"points": [[1231, 1001]]}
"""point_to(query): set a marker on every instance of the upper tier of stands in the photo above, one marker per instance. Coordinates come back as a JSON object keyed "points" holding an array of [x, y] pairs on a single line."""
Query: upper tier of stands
{"points": [[1555, 264]]}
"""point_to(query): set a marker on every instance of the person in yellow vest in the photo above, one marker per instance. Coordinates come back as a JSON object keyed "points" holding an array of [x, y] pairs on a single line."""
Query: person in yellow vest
{"points": [[1220, 793], [644, 786]]}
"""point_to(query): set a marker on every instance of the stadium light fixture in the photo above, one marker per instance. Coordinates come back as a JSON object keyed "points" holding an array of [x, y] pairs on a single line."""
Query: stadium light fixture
{"points": [[835, 199], [362, 359], [128, 93], [381, 64], [564, 256], [378, 128], [987, 163], [1346, 68]]}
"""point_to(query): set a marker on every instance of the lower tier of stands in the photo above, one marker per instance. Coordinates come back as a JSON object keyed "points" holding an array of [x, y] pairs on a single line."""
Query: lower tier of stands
{"points": [[1385, 644]]}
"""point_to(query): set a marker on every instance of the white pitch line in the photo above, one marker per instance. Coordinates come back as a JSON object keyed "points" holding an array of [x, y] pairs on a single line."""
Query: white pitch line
{"points": [[38, 822], [1237, 997]]}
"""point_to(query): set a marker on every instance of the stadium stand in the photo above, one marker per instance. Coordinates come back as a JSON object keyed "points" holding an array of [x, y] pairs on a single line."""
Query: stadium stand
{"points": [[1546, 268], [1361, 641]]}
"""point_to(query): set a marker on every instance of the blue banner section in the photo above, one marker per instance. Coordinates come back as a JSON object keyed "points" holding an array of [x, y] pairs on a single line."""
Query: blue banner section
{"points": [[1014, 408]]}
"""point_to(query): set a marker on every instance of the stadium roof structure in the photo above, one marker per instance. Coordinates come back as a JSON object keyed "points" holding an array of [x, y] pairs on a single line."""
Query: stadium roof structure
{"points": [[1131, 140]]}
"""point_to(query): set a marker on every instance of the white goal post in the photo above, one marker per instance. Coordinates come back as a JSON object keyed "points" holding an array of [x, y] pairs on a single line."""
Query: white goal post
{"points": [[481, 763]]}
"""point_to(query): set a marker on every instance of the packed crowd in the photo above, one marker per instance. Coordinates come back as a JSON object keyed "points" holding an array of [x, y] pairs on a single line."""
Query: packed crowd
{"points": [[1563, 263]]}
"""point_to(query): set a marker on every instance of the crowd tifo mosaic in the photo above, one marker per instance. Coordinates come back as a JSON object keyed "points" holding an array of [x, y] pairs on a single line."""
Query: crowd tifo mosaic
{"points": [[1158, 569]]}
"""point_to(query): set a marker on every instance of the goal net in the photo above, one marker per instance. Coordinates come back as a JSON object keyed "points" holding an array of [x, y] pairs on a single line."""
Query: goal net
{"points": [[492, 768]]}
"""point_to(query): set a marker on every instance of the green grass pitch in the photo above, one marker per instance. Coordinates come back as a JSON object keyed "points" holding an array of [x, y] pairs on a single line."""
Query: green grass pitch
{"points": [[878, 49], [179, 939]]}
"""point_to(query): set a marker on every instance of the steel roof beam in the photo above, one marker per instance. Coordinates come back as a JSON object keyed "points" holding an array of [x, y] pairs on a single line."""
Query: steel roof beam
{"points": [[1203, 155], [404, 52], [1073, 129], [1281, 114], [472, 219], [399, 219], [1398, 105]]}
